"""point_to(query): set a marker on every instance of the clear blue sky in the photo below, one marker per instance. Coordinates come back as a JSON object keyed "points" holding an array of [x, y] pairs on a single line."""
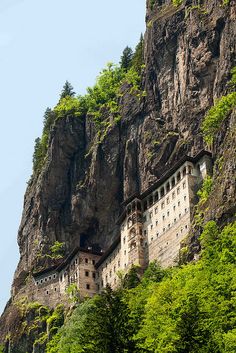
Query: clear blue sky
{"points": [[43, 43]]}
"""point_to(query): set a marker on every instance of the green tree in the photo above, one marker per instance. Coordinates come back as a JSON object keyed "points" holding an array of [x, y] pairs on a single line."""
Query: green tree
{"points": [[138, 56], [126, 58], [67, 90]]}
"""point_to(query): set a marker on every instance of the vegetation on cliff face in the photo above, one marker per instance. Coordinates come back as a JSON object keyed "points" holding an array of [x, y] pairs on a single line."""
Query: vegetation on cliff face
{"points": [[221, 109], [100, 102], [186, 309]]}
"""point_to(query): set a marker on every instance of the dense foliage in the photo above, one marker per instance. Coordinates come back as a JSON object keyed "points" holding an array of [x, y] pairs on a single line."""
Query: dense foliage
{"points": [[181, 310], [216, 115], [101, 103]]}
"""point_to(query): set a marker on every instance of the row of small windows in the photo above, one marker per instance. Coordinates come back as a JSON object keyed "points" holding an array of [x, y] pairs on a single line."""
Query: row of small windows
{"points": [[46, 279], [164, 230], [165, 189], [168, 212], [145, 232]]}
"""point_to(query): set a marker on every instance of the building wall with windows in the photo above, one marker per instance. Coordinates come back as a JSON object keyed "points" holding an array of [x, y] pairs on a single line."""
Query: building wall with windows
{"points": [[152, 227]]}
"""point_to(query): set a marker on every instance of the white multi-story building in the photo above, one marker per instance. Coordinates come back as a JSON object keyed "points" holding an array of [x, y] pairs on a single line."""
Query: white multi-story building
{"points": [[152, 226]]}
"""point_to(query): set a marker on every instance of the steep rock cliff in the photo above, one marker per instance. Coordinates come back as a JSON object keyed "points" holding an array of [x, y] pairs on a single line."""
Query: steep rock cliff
{"points": [[189, 52]]}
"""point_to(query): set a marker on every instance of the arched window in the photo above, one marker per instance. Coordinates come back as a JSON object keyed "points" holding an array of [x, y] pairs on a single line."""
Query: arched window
{"points": [[145, 205], [138, 205], [130, 222], [156, 196], [150, 201], [190, 170], [132, 233], [173, 182], [184, 171], [168, 187], [178, 177], [162, 191], [133, 245]]}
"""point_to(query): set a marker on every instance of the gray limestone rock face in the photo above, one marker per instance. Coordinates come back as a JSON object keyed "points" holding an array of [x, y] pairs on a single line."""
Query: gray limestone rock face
{"points": [[77, 197]]}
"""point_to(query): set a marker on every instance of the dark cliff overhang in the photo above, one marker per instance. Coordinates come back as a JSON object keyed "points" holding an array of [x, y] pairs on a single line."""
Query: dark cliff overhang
{"points": [[108, 252], [45, 271], [162, 179]]}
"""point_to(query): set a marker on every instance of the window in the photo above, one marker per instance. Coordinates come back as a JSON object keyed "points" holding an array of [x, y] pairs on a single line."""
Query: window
{"points": [[186, 227], [156, 223], [150, 215], [45, 279], [93, 262], [86, 261], [173, 195], [55, 289], [76, 261], [110, 273], [175, 220], [190, 170], [162, 205], [186, 210], [168, 213], [145, 232], [157, 234], [156, 210], [119, 263], [37, 282], [87, 273], [174, 207], [180, 215], [54, 276], [125, 252], [181, 230], [156, 196], [163, 217], [185, 197], [162, 192], [173, 182], [169, 225], [47, 292], [178, 177], [87, 286], [124, 240], [164, 230], [184, 185], [177, 235], [178, 203], [167, 187], [151, 226], [168, 200], [151, 238], [184, 171], [49, 278], [150, 201], [94, 275], [144, 218], [145, 205], [178, 190]]}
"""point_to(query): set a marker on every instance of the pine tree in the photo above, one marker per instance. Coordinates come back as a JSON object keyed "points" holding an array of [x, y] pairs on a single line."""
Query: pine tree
{"points": [[48, 120], [138, 57], [67, 90], [126, 58]]}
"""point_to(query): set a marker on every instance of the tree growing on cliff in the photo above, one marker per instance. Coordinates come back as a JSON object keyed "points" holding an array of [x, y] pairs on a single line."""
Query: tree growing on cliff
{"points": [[138, 57], [126, 58], [67, 90]]}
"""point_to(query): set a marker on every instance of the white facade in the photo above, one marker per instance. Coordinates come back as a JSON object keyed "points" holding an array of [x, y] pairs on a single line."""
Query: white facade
{"points": [[152, 227]]}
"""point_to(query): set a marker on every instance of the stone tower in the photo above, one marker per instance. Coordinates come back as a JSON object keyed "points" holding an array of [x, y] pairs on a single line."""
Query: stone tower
{"points": [[135, 234]]}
